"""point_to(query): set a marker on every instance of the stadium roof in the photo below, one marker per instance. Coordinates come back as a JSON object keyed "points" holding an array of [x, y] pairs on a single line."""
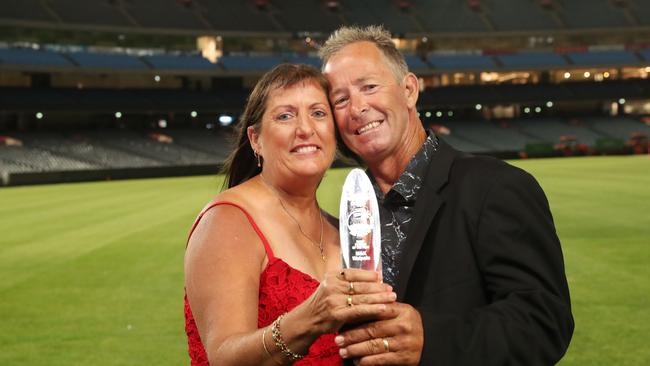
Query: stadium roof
{"points": [[289, 17]]}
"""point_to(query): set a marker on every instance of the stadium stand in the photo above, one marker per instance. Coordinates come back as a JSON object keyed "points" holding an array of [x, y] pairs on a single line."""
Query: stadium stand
{"points": [[461, 62], [30, 10], [592, 14], [107, 61], [602, 58], [451, 45], [507, 15], [248, 63], [532, 60], [305, 16], [179, 62], [29, 57], [448, 16], [96, 13], [236, 16]]}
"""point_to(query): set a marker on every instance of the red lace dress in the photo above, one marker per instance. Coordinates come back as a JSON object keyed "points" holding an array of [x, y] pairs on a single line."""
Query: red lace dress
{"points": [[282, 288]]}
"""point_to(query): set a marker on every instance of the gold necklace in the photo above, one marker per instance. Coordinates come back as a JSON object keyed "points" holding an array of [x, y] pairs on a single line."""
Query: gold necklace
{"points": [[319, 245]]}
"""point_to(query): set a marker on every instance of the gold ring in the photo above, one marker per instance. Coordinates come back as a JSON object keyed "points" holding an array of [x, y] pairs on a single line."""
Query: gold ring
{"points": [[351, 288], [349, 300], [386, 346]]}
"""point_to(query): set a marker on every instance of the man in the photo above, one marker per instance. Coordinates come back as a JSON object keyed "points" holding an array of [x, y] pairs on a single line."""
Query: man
{"points": [[469, 243]]}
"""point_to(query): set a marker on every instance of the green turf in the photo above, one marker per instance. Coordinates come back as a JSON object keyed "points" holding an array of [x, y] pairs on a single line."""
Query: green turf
{"points": [[91, 273]]}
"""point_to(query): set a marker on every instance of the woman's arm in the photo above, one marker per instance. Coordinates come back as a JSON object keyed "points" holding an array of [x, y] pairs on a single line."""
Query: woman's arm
{"points": [[223, 263]]}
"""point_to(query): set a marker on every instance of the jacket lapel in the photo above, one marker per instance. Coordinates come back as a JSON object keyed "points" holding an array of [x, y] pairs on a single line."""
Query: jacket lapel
{"points": [[427, 206]]}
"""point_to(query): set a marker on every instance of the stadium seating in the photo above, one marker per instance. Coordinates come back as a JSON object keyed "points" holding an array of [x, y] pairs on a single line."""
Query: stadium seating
{"points": [[621, 128], [551, 130], [107, 61], [532, 60], [305, 15], [600, 58], [29, 57], [163, 14], [508, 15], [582, 14], [179, 62], [448, 16], [461, 62], [248, 63], [30, 10], [94, 12], [493, 137], [236, 16]]}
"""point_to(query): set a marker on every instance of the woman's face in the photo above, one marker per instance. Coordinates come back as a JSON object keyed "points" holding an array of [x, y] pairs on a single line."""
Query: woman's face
{"points": [[297, 134]]}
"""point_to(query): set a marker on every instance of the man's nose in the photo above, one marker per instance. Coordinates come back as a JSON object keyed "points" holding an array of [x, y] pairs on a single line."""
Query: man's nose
{"points": [[358, 106]]}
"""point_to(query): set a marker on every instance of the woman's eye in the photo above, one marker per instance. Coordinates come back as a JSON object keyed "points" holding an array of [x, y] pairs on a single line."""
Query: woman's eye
{"points": [[370, 87], [319, 114], [283, 117]]}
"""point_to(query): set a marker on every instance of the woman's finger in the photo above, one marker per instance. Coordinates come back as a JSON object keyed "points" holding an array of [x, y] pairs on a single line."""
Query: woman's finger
{"points": [[359, 275]]}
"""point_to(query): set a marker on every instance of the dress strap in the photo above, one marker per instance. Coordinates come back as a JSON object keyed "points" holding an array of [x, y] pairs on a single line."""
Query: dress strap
{"points": [[267, 246]]}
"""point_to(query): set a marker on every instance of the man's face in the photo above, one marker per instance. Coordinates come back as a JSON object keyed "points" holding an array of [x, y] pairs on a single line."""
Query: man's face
{"points": [[371, 106]]}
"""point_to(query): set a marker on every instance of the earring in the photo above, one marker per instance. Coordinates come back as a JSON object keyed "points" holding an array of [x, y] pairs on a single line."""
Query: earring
{"points": [[259, 164]]}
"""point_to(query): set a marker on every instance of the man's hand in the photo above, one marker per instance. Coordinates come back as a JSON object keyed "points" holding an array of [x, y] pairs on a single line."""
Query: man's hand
{"points": [[395, 339]]}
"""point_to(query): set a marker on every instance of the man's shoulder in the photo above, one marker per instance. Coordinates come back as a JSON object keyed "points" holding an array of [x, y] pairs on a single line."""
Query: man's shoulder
{"points": [[484, 170]]}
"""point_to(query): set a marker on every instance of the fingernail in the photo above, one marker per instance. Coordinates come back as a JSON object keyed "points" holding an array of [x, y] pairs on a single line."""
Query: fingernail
{"points": [[392, 296], [343, 352], [339, 340]]}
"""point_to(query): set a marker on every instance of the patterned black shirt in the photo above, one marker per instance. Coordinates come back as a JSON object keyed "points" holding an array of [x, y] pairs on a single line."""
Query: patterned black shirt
{"points": [[396, 208]]}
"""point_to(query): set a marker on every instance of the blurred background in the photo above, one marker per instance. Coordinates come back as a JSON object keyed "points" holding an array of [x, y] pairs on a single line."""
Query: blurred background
{"points": [[115, 89], [96, 88]]}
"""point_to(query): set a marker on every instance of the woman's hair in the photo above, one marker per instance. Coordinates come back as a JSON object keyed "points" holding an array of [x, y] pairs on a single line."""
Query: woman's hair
{"points": [[375, 34], [241, 164]]}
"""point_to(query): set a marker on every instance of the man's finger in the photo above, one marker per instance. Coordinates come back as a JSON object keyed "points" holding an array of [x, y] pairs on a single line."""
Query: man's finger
{"points": [[365, 332], [373, 346]]}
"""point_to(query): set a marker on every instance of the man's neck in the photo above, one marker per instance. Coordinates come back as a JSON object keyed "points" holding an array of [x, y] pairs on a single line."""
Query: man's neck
{"points": [[386, 171]]}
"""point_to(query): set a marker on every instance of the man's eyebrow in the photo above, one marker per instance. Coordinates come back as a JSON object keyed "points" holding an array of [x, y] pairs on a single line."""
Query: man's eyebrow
{"points": [[357, 81]]}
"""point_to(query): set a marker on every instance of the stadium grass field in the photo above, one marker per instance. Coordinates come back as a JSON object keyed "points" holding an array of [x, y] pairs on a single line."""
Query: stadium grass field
{"points": [[92, 273]]}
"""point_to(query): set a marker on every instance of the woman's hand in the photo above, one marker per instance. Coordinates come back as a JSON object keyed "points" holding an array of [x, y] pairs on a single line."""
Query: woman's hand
{"points": [[348, 296]]}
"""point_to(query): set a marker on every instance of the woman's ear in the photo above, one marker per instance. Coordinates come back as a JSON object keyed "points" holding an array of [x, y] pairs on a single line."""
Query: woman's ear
{"points": [[253, 137]]}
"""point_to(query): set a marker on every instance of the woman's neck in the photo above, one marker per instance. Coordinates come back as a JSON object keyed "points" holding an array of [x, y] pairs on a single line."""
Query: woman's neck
{"points": [[298, 196]]}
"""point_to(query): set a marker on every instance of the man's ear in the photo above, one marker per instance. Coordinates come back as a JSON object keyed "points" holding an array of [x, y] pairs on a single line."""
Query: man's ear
{"points": [[411, 90], [254, 138]]}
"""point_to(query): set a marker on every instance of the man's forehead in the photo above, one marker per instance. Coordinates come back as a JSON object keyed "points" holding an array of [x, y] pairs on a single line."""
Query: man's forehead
{"points": [[355, 52]]}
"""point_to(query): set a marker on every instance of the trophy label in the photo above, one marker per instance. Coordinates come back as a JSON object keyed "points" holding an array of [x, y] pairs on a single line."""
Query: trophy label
{"points": [[359, 225]]}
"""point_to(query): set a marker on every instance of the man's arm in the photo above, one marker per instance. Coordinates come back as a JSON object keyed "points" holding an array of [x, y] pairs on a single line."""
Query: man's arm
{"points": [[528, 319]]}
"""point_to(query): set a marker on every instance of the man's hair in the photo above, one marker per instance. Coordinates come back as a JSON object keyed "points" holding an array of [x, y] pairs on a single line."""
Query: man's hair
{"points": [[375, 34]]}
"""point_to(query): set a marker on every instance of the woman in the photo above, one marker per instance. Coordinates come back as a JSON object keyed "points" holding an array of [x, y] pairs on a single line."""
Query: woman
{"points": [[255, 252]]}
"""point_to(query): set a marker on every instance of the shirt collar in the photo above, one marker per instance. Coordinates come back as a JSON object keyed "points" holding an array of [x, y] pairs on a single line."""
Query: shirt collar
{"points": [[408, 184]]}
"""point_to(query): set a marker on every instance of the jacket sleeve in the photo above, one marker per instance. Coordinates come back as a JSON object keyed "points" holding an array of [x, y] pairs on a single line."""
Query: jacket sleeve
{"points": [[528, 318]]}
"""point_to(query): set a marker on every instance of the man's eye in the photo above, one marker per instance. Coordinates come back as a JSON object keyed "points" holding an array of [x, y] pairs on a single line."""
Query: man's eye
{"points": [[319, 114], [340, 101], [370, 87]]}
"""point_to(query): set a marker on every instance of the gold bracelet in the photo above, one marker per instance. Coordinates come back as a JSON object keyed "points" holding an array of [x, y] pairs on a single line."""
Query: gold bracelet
{"points": [[266, 349], [279, 342]]}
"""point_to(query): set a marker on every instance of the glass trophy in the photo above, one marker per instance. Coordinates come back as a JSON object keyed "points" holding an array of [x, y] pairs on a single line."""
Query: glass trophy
{"points": [[359, 226]]}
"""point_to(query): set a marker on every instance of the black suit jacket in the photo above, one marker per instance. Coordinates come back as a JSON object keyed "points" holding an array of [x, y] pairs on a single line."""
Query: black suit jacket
{"points": [[484, 267]]}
